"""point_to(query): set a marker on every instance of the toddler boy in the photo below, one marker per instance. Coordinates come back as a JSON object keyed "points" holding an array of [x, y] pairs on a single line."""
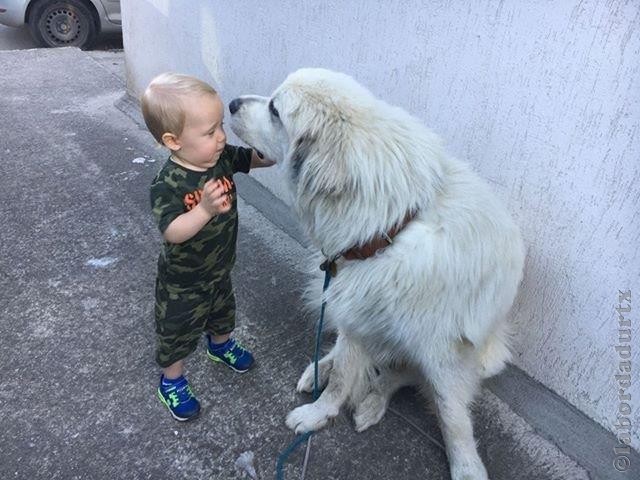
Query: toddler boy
{"points": [[194, 203]]}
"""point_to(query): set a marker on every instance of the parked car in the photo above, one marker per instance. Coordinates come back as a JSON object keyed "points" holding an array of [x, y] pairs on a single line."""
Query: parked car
{"points": [[63, 23]]}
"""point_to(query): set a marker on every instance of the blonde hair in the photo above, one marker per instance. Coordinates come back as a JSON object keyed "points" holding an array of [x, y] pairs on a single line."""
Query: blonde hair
{"points": [[162, 106]]}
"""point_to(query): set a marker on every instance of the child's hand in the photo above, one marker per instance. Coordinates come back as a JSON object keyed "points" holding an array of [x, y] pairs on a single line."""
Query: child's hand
{"points": [[259, 161], [216, 197]]}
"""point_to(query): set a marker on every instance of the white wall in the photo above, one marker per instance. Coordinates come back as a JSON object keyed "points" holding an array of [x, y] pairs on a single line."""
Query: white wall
{"points": [[540, 97]]}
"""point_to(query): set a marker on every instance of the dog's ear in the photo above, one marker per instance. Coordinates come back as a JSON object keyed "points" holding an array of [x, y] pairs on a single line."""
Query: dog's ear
{"points": [[301, 150]]}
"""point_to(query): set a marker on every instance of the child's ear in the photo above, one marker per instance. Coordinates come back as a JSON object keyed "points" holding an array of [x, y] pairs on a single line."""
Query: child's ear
{"points": [[171, 141]]}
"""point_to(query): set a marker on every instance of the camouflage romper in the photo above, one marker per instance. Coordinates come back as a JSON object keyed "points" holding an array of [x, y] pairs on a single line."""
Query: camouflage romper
{"points": [[193, 287]]}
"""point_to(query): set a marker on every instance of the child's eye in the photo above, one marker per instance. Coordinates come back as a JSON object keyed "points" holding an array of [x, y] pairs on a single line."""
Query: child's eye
{"points": [[211, 133]]}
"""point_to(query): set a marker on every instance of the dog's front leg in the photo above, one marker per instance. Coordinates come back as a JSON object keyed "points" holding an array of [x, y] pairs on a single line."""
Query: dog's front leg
{"points": [[350, 366], [305, 384]]}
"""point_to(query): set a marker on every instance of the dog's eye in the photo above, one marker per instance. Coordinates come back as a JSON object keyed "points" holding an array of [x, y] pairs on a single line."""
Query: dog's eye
{"points": [[273, 110]]}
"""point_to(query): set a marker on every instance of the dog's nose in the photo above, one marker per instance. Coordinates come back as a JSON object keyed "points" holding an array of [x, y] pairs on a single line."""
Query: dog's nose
{"points": [[234, 106]]}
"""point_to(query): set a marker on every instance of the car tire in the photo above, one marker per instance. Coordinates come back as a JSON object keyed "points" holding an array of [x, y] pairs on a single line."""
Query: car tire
{"points": [[62, 23]]}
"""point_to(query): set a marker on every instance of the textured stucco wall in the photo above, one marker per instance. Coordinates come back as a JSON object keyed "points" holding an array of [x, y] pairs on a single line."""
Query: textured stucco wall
{"points": [[542, 98]]}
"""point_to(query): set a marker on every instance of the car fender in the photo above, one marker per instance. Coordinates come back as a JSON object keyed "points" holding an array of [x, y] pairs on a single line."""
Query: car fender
{"points": [[14, 16]]}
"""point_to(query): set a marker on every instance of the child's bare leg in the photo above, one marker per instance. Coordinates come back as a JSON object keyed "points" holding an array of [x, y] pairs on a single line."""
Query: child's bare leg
{"points": [[174, 370], [220, 338]]}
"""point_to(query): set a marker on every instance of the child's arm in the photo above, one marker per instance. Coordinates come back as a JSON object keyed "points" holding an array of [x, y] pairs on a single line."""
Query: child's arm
{"points": [[215, 200], [258, 160]]}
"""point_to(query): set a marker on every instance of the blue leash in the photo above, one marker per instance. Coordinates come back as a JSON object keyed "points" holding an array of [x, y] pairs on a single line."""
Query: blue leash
{"points": [[329, 269]]}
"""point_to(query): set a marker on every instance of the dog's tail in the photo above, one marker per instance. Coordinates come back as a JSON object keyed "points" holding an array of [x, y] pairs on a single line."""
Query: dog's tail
{"points": [[495, 352]]}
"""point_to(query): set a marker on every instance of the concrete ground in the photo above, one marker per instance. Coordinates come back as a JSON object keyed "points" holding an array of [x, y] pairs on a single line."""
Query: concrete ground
{"points": [[79, 249]]}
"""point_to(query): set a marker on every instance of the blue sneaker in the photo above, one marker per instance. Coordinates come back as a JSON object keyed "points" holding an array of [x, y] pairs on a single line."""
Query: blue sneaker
{"points": [[231, 353], [178, 398]]}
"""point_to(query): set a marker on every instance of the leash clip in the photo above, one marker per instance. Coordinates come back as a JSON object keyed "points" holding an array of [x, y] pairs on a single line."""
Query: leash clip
{"points": [[330, 267]]}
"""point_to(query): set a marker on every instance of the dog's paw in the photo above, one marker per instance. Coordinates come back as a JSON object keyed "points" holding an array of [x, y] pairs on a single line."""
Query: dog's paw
{"points": [[305, 384], [309, 417], [470, 468], [370, 411]]}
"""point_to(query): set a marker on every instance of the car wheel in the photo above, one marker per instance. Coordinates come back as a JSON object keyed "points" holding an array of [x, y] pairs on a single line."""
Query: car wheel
{"points": [[62, 23]]}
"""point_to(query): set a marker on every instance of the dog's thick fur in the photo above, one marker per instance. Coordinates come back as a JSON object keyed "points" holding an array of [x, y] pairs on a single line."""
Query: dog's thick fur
{"points": [[433, 305]]}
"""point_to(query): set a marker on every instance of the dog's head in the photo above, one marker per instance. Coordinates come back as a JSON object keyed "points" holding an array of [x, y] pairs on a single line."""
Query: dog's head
{"points": [[356, 165], [301, 117]]}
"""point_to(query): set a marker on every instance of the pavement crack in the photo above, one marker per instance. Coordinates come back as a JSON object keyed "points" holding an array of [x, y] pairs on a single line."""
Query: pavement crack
{"points": [[420, 430]]}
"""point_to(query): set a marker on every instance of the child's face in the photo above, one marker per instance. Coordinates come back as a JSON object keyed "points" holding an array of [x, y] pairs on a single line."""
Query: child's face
{"points": [[202, 139]]}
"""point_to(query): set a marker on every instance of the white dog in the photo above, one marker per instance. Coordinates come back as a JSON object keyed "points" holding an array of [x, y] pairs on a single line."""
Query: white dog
{"points": [[428, 260]]}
